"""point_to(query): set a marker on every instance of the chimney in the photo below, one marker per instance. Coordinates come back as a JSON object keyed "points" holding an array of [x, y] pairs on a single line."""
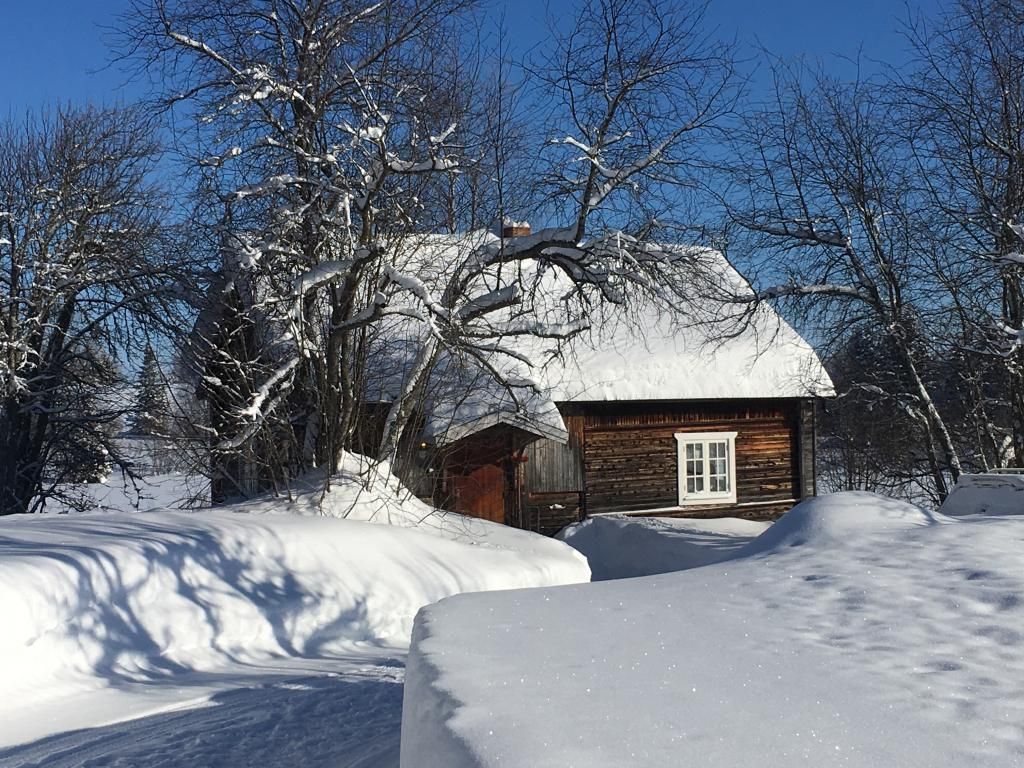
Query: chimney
{"points": [[511, 228]]}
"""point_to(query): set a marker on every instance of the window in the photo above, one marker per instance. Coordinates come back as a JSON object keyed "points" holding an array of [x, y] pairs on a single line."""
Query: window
{"points": [[707, 467]]}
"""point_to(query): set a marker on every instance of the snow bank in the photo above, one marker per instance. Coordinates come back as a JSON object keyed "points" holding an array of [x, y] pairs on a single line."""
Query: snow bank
{"points": [[90, 601], [621, 546], [884, 638], [831, 520], [986, 495]]}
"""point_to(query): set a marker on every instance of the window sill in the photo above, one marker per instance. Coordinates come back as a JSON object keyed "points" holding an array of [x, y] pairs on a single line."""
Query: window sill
{"points": [[707, 501]]}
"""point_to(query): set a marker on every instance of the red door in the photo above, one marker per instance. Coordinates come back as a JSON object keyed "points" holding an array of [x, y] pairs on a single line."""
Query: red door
{"points": [[481, 493]]}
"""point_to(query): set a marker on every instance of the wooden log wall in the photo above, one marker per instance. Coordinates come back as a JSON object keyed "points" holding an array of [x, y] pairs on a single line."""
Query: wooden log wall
{"points": [[623, 457], [807, 437], [631, 461]]}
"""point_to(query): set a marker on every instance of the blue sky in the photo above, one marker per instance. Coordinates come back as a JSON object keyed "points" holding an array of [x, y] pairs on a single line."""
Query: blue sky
{"points": [[59, 52]]}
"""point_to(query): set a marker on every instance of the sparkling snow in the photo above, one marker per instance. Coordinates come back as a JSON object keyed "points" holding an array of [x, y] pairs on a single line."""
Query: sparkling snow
{"points": [[857, 631], [270, 633]]}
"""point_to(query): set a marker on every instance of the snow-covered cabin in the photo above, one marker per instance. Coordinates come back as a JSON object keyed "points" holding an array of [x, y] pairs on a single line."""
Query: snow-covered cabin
{"points": [[644, 415]]}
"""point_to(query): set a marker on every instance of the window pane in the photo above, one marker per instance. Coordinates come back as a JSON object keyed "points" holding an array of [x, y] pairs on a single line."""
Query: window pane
{"points": [[706, 467], [695, 467], [721, 469]]}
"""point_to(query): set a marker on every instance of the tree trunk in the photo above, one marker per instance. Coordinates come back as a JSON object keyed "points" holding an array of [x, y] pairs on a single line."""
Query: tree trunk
{"points": [[402, 408], [936, 424]]}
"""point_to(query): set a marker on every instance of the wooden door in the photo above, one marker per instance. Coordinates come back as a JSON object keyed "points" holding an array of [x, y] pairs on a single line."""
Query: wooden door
{"points": [[481, 493]]}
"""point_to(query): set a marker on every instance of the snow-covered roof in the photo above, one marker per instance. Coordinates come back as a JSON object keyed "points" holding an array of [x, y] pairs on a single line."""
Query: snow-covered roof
{"points": [[462, 397], [487, 403], [699, 352], [655, 357], [638, 353]]}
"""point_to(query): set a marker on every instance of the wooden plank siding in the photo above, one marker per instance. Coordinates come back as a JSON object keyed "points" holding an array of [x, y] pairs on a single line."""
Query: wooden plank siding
{"points": [[548, 513], [807, 436], [553, 480], [622, 457], [557, 467]]}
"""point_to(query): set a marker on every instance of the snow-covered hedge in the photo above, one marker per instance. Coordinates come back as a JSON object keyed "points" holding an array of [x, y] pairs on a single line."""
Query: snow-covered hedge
{"points": [[858, 631]]}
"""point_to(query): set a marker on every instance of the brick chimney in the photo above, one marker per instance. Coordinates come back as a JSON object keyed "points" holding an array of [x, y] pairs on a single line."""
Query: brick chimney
{"points": [[515, 228]]}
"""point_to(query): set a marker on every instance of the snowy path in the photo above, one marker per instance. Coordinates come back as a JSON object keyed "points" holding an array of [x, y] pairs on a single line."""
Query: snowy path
{"points": [[342, 713]]}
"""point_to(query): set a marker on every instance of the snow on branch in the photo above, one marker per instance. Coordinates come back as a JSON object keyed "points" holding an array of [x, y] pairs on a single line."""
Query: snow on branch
{"points": [[806, 231], [417, 288], [322, 273], [828, 289], [489, 302]]}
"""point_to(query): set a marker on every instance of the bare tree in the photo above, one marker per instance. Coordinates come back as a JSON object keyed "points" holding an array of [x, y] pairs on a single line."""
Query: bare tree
{"points": [[80, 266], [829, 197], [316, 120], [322, 125], [965, 102], [632, 93], [870, 435]]}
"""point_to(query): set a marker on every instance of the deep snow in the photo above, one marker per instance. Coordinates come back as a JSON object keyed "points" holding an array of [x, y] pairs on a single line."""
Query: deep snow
{"points": [[994, 494], [857, 631], [622, 546], [109, 617]]}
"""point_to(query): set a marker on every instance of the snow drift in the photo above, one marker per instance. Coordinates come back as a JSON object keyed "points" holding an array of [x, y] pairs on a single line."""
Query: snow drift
{"points": [[995, 494], [831, 520], [620, 546], [858, 631], [100, 600]]}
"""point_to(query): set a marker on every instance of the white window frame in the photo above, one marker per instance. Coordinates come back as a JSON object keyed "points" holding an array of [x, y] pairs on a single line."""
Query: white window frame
{"points": [[706, 496]]}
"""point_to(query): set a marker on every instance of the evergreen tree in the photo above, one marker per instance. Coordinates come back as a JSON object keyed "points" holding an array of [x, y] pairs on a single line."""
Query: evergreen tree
{"points": [[151, 409], [86, 419]]}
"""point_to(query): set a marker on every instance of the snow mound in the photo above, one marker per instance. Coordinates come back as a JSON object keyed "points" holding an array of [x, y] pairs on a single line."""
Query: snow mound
{"points": [[898, 648], [621, 546], [93, 601], [366, 490], [996, 494], [831, 520]]}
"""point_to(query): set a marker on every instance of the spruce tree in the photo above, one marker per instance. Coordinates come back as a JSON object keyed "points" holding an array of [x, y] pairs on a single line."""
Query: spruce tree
{"points": [[151, 409]]}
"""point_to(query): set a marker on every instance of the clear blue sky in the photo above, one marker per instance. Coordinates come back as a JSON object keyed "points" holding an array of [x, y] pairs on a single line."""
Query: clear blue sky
{"points": [[55, 51]]}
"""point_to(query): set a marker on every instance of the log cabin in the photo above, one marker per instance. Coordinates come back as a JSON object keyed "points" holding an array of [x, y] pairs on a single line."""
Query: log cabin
{"points": [[645, 416], [642, 415]]}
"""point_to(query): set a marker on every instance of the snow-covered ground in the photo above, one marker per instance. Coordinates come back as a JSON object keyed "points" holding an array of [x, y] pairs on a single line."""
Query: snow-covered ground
{"points": [[121, 493], [857, 631], [269, 633], [992, 494], [621, 546]]}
